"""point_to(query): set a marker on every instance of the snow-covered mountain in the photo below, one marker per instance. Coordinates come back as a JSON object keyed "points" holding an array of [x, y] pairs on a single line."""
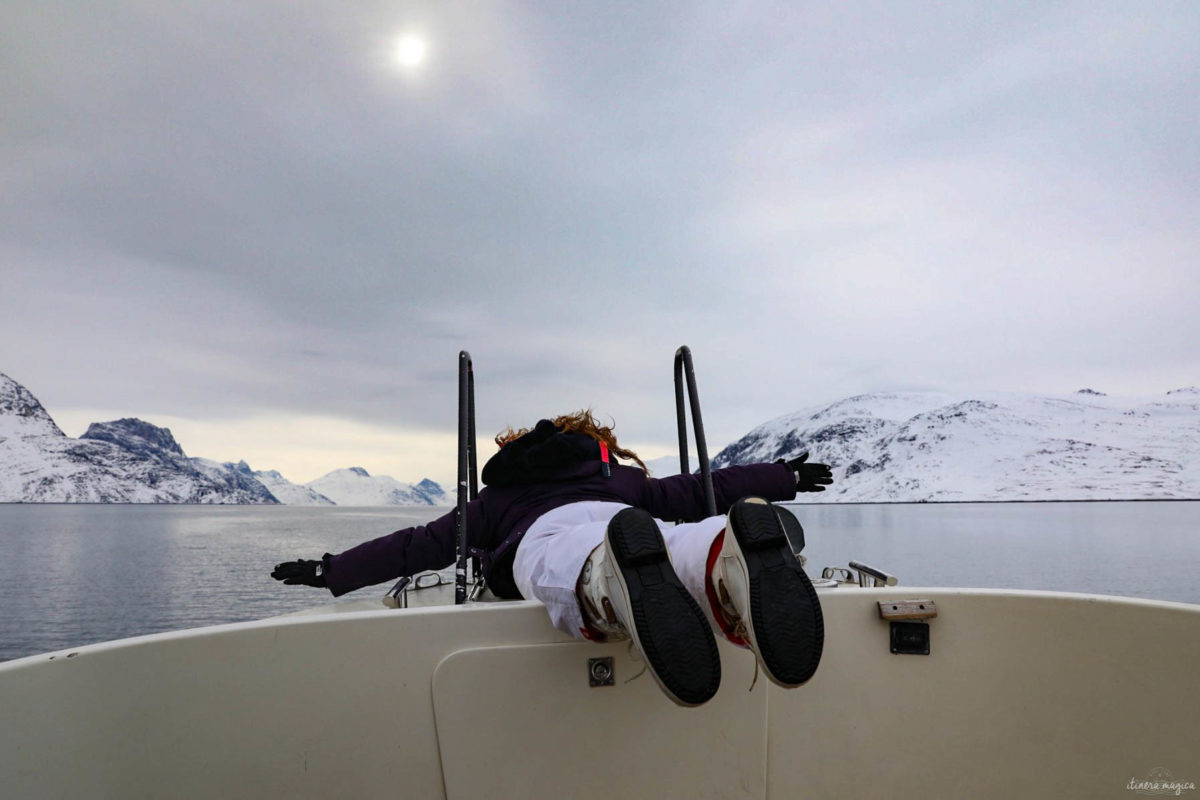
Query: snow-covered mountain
{"points": [[132, 461], [123, 461], [887, 447], [433, 492], [910, 447], [356, 487]]}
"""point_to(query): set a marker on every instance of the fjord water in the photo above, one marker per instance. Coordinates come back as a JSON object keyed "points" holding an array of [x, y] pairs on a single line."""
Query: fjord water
{"points": [[78, 574]]}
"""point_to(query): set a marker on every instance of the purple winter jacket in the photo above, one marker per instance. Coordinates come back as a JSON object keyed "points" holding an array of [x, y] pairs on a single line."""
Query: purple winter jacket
{"points": [[500, 515]]}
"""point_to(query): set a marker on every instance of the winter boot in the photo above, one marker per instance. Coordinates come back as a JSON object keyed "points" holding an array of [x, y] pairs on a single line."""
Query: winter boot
{"points": [[629, 587], [764, 597]]}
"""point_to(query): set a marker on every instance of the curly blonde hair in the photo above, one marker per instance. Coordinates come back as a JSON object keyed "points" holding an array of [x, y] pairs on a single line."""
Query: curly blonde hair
{"points": [[582, 422]]}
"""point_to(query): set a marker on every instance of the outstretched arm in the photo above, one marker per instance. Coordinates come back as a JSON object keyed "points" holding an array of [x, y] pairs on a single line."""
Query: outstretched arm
{"points": [[681, 497], [404, 552]]}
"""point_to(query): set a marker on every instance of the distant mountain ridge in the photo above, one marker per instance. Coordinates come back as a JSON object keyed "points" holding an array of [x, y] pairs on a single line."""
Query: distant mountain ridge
{"points": [[283, 490], [132, 461], [930, 447], [883, 447]]}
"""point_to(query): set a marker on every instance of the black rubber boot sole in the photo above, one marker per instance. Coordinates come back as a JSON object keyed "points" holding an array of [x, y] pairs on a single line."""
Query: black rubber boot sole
{"points": [[786, 624], [668, 626]]}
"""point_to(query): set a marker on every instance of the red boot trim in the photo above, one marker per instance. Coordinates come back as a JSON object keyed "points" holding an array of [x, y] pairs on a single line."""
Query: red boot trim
{"points": [[589, 630], [710, 591], [592, 635]]}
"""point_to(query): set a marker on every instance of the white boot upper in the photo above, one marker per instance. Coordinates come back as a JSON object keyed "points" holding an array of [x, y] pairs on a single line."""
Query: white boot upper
{"points": [[603, 597], [731, 579]]}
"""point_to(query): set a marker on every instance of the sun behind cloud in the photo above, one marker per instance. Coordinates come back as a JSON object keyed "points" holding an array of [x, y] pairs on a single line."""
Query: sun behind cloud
{"points": [[410, 51]]}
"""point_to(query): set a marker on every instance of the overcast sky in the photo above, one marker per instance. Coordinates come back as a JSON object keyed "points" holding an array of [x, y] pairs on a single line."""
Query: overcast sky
{"points": [[252, 223]]}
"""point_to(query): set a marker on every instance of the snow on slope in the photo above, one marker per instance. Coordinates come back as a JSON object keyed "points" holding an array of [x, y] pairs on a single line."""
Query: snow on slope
{"points": [[21, 414], [356, 487], [940, 447], [284, 490]]}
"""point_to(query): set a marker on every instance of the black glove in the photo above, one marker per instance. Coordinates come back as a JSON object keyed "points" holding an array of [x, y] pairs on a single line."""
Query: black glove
{"points": [[300, 573], [809, 477]]}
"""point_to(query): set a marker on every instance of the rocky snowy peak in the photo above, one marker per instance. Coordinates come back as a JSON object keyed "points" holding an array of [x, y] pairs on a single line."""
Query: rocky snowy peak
{"points": [[135, 436], [433, 491], [125, 461], [233, 483], [354, 486], [903, 447], [20, 412]]}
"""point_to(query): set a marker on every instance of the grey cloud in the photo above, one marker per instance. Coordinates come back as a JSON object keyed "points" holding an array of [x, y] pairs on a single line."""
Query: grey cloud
{"points": [[215, 208]]}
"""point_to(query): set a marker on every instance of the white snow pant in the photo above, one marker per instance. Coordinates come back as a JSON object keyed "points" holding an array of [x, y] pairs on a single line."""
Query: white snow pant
{"points": [[551, 556]]}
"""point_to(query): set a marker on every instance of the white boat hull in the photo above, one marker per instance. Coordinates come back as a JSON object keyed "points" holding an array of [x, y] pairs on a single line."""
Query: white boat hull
{"points": [[1022, 695]]}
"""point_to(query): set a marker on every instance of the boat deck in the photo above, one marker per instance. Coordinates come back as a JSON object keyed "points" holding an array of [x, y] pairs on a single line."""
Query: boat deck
{"points": [[1022, 694]]}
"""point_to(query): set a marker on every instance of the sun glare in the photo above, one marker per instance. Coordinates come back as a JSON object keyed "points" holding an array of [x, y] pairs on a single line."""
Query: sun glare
{"points": [[411, 51]]}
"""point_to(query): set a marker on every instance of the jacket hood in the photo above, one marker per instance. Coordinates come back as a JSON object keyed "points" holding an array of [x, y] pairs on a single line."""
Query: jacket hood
{"points": [[541, 456]]}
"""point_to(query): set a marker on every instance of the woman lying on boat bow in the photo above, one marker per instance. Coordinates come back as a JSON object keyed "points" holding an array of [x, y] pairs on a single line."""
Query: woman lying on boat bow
{"points": [[561, 522]]}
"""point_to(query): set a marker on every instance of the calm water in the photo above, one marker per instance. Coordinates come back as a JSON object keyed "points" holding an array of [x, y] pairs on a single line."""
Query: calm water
{"points": [[77, 574]]}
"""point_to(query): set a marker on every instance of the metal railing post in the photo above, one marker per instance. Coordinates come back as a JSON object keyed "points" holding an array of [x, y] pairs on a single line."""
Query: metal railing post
{"points": [[466, 489], [472, 461], [685, 371]]}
